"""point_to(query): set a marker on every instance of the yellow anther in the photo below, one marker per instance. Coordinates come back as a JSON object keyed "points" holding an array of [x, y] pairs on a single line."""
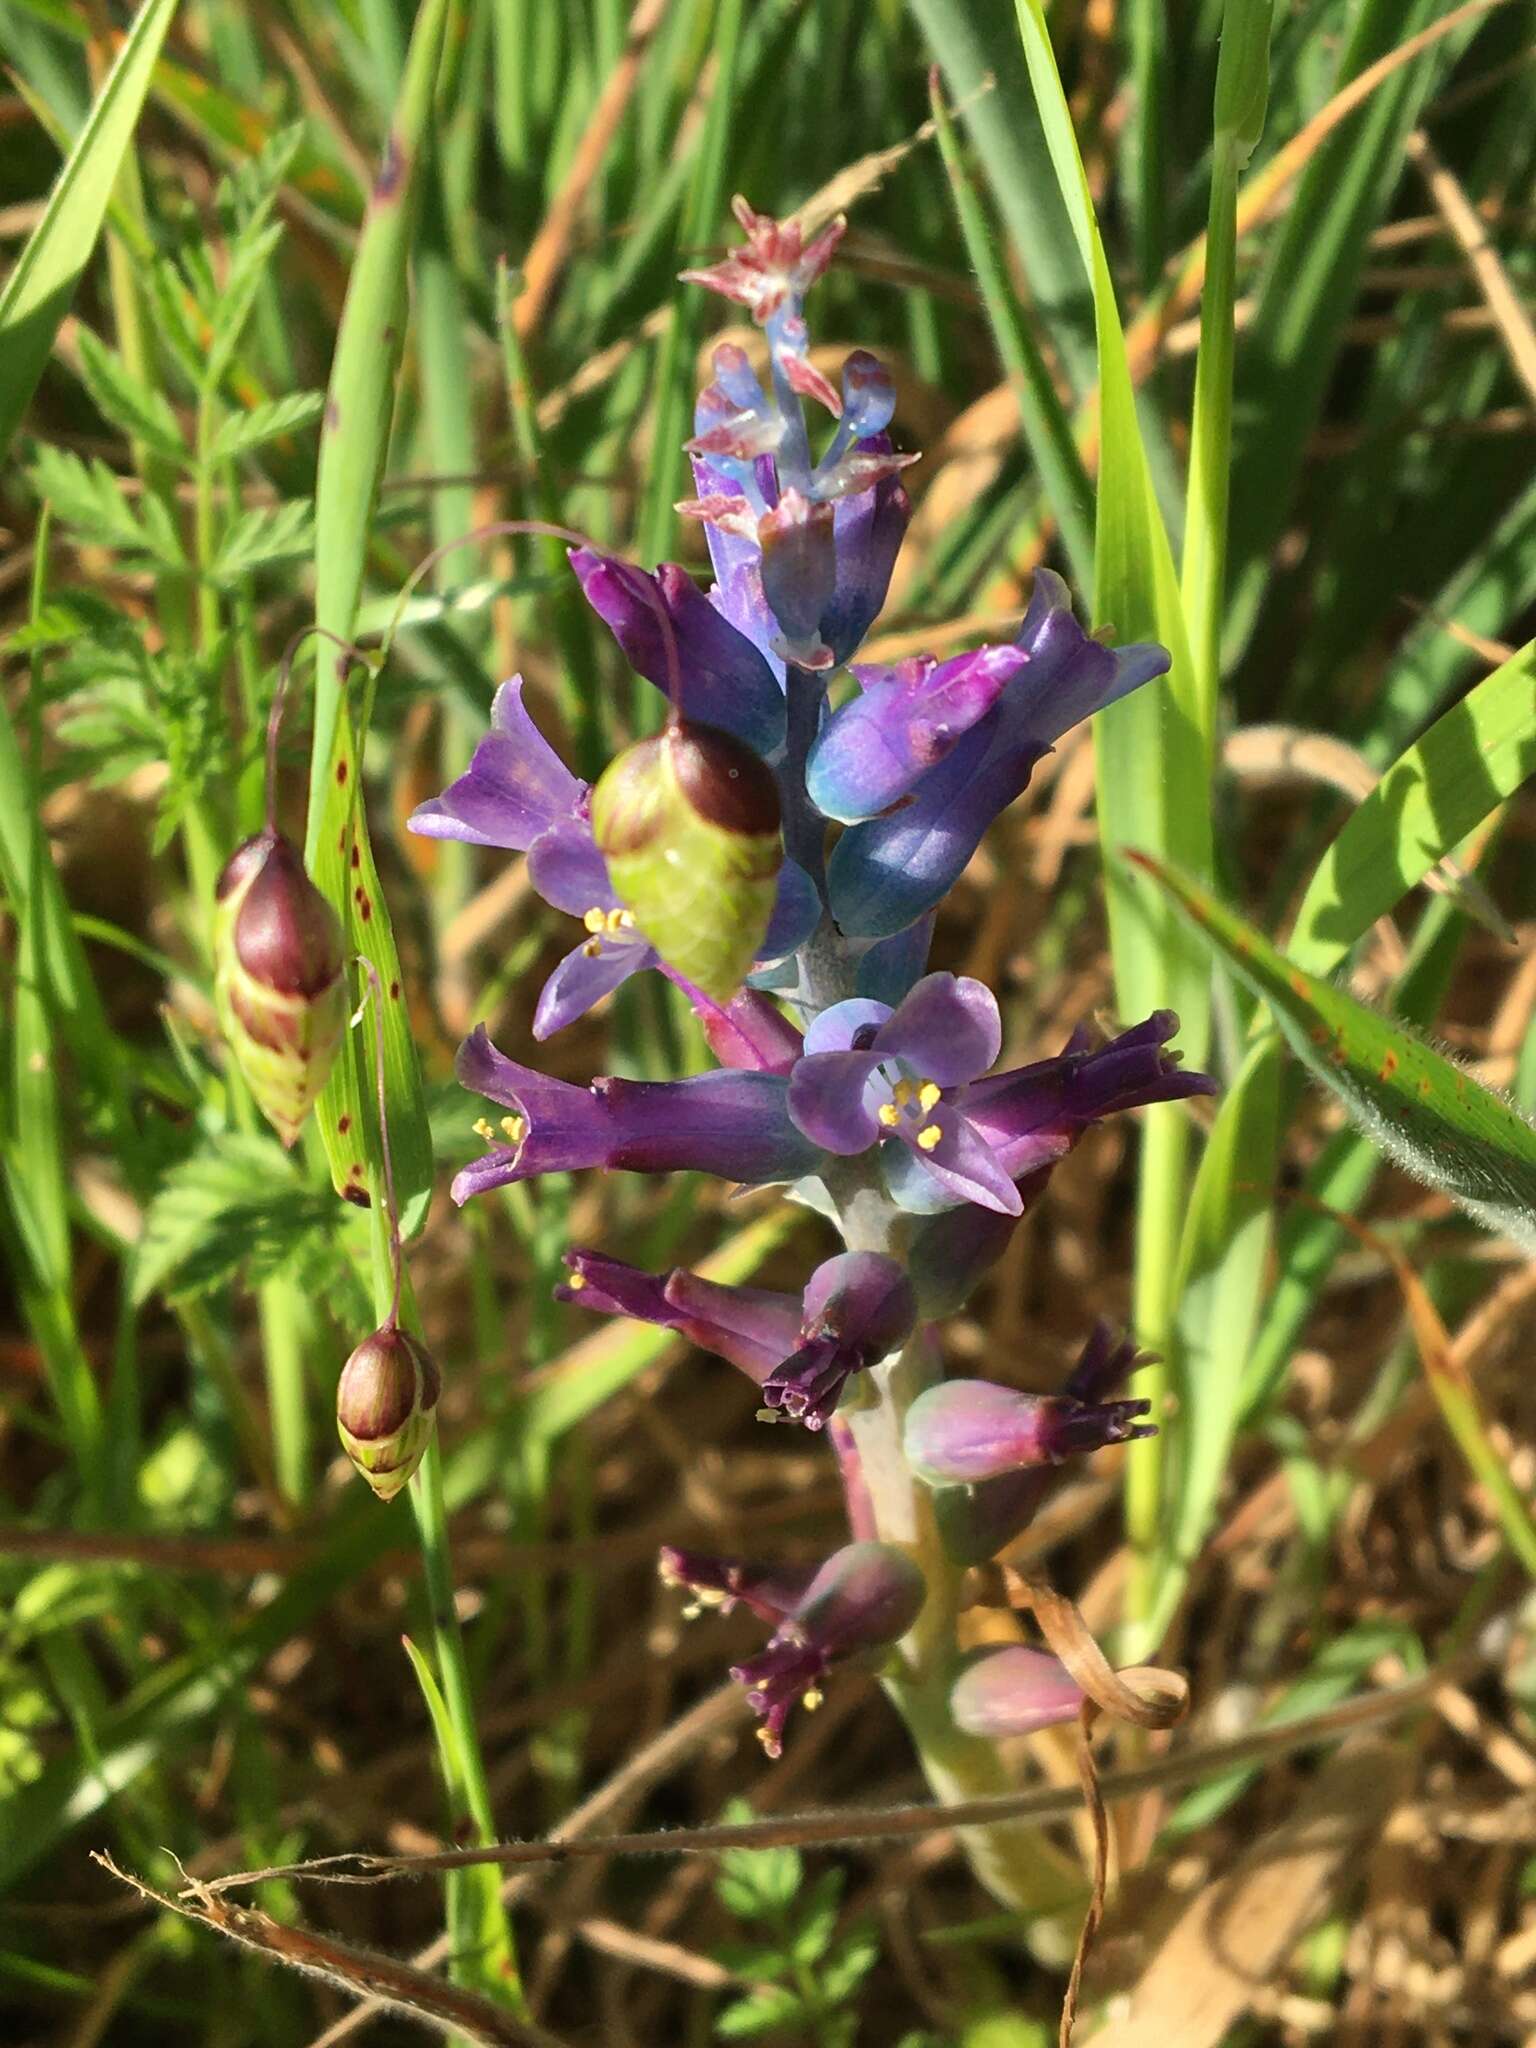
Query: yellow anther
{"points": [[811, 1700], [929, 1136], [595, 919], [626, 920], [592, 948], [889, 1115], [618, 920], [903, 1092], [928, 1095], [483, 1129], [574, 1286], [515, 1128]]}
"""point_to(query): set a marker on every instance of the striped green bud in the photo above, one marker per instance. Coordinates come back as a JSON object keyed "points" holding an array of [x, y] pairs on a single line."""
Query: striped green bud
{"points": [[282, 998], [386, 1407], [688, 823]]}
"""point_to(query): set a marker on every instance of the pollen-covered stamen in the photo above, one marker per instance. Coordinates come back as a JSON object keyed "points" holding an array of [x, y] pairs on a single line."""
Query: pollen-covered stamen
{"points": [[910, 1112]]}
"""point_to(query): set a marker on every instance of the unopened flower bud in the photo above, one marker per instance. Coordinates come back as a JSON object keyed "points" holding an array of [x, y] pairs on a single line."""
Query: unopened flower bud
{"points": [[858, 1307], [386, 1407], [281, 994], [967, 1431], [1013, 1691], [688, 823], [799, 572]]}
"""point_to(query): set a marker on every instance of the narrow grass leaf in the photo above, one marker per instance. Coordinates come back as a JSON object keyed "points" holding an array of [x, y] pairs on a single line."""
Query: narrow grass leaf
{"points": [[1427, 1114], [1472, 758], [38, 291], [353, 447]]}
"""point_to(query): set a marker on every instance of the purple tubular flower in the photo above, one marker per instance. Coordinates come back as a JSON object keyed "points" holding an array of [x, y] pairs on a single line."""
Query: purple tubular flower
{"points": [[799, 572], [864, 1598], [1031, 1117], [770, 1591], [858, 1307], [753, 1327], [725, 679], [734, 1125], [870, 1073], [517, 793], [1013, 1691], [516, 785], [886, 872], [800, 1350], [978, 1522], [964, 1431], [904, 721], [866, 537]]}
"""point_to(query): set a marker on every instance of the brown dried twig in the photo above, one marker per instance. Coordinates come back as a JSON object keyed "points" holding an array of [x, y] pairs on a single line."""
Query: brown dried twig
{"points": [[1146, 1695], [360, 1973]]}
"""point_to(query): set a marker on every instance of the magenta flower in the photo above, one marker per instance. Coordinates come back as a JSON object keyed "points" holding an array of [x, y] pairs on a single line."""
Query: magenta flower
{"points": [[736, 1125], [1013, 1691], [801, 1350], [863, 1599], [517, 793], [964, 1431], [911, 1079]]}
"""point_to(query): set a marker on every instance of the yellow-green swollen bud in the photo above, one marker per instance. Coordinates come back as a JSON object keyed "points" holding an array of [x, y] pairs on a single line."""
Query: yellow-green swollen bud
{"points": [[688, 823], [282, 997], [386, 1407]]}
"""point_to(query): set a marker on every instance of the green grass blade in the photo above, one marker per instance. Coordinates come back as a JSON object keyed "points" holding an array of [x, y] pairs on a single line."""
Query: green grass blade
{"points": [[1047, 429], [39, 289], [478, 1926], [1242, 88], [355, 442], [980, 60], [1223, 1256], [1469, 761], [1310, 283], [1428, 1115], [1153, 761]]}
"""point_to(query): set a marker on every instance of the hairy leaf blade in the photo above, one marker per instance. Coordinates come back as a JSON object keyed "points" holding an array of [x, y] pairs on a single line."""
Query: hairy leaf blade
{"points": [[1424, 1112], [353, 446], [1472, 758]]}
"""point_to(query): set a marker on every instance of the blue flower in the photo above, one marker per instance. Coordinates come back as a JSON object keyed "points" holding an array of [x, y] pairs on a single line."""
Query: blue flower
{"points": [[926, 748]]}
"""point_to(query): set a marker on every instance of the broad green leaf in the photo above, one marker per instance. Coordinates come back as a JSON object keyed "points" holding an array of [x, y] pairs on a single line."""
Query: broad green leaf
{"points": [[1472, 758], [1152, 753], [38, 292], [244, 1205], [1426, 1113], [354, 444]]}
